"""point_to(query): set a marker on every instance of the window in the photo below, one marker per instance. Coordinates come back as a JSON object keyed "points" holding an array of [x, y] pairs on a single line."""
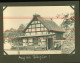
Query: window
{"points": [[42, 29], [39, 33], [43, 44], [44, 32], [29, 30], [30, 41], [27, 34], [37, 25], [33, 30], [39, 41], [43, 40], [33, 26], [37, 29], [24, 42]]}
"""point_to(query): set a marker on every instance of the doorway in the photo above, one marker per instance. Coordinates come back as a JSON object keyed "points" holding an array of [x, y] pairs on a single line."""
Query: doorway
{"points": [[50, 43]]}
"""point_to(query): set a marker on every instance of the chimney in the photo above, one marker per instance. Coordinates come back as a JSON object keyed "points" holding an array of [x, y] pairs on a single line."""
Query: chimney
{"points": [[36, 15]]}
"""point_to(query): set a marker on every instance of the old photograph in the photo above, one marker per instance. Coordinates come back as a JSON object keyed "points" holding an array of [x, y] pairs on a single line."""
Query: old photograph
{"points": [[39, 30]]}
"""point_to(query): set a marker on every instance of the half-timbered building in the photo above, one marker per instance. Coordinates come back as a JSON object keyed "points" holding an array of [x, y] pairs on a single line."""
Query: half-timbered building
{"points": [[42, 34]]}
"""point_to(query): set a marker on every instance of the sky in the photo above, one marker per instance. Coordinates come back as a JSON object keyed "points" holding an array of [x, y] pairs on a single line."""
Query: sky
{"points": [[29, 11]]}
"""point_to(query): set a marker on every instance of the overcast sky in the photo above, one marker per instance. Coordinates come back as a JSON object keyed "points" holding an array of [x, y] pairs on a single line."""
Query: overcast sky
{"points": [[28, 11]]}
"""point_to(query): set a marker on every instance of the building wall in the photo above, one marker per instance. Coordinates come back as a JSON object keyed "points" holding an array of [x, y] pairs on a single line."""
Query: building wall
{"points": [[36, 28], [43, 42]]}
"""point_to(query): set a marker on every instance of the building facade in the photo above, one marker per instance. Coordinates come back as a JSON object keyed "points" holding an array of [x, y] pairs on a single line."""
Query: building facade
{"points": [[42, 34]]}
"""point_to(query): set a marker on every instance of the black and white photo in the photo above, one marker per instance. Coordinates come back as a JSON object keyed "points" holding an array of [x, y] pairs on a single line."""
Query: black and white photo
{"points": [[39, 30]]}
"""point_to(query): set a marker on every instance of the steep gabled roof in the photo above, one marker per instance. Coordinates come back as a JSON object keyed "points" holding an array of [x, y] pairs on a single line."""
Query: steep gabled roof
{"points": [[49, 24]]}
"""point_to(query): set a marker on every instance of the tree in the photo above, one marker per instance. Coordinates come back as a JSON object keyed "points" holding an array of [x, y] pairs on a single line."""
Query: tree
{"points": [[13, 33], [68, 25], [20, 30]]}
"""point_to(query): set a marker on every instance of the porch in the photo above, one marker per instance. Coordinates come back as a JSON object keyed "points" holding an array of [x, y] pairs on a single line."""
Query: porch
{"points": [[38, 43]]}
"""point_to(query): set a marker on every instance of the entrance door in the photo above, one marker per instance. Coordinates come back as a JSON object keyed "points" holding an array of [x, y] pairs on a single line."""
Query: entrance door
{"points": [[50, 43]]}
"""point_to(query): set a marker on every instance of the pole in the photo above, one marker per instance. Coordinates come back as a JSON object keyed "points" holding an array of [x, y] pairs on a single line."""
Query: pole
{"points": [[18, 47]]}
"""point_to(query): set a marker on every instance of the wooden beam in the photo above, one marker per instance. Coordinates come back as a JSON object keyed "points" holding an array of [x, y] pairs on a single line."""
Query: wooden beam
{"points": [[40, 26], [31, 27], [35, 29], [47, 43]]}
